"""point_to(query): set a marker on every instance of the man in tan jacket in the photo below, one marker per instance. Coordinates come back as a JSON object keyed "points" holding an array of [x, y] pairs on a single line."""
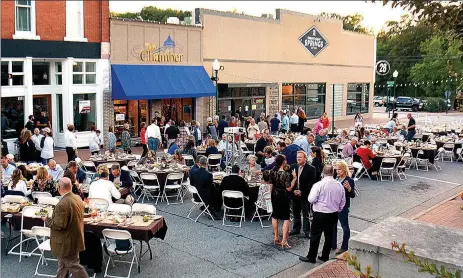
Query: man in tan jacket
{"points": [[67, 231]]}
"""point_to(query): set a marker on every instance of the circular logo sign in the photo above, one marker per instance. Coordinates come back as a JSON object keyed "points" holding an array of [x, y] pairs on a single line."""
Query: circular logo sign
{"points": [[383, 67]]}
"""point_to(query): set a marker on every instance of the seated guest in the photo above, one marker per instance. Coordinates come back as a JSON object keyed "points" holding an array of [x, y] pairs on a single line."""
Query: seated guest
{"points": [[367, 135], [224, 143], [269, 156], [236, 183], [104, 189], [403, 131], [75, 183], [252, 165], [18, 183], [365, 154], [10, 158], [55, 170], [80, 175], [173, 147], [211, 147], [263, 142], [7, 167], [349, 149], [44, 183], [389, 126], [119, 177], [26, 173], [320, 138], [343, 135], [178, 158], [190, 149], [203, 181], [395, 132]]}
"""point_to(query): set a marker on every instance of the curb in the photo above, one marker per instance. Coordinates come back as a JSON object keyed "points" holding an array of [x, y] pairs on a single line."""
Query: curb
{"points": [[435, 206], [316, 268]]}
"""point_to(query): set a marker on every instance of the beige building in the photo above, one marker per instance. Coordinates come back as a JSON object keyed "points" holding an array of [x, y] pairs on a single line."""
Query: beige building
{"points": [[156, 68], [294, 60]]}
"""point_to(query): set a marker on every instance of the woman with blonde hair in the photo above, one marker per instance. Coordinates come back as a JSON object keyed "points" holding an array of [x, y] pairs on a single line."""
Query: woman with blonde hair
{"points": [[18, 183], [44, 183], [125, 142], [343, 176]]}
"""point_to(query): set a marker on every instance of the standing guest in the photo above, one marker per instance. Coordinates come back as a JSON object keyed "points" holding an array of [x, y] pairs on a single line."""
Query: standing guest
{"points": [[26, 147], [71, 143], [263, 142], [37, 138], [94, 141], [301, 120], [358, 120], [274, 125], [279, 114], [43, 122], [328, 198], [125, 141], [281, 184], [411, 127], [197, 133], [262, 124], [47, 144], [7, 167], [294, 122], [172, 133], [325, 121], [304, 176], [222, 125], [284, 123], [18, 183], [344, 178], [67, 231], [211, 129], [184, 132], [190, 149], [44, 183], [54, 170], [122, 178], [390, 125], [143, 140], [202, 179], [111, 140], [318, 126], [365, 154], [30, 124], [253, 129], [318, 161], [153, 132], [100, 137], [239, 114]]}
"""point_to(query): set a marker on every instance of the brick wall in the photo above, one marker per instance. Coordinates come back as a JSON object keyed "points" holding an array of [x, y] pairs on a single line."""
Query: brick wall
{"points": [[96, 19], [7, 19], [108, 113], [51, 26]]}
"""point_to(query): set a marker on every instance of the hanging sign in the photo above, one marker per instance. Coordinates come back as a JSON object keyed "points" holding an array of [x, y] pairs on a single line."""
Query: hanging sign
{"points": [[84, 106], [383, 67], [120, 117]]}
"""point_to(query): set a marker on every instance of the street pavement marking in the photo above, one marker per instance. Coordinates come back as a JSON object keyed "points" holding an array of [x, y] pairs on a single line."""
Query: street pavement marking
{"points": [[433, 179]]}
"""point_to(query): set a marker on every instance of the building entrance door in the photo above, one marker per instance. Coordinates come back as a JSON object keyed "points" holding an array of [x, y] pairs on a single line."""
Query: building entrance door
{"points": [[42, 103]]}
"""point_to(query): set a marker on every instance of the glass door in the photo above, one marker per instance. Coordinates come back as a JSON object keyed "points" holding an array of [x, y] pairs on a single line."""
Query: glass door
{"points": [[41, 105]]}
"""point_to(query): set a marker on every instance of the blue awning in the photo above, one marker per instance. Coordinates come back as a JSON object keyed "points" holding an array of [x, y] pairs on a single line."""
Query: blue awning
{"points": [[134, 82]]}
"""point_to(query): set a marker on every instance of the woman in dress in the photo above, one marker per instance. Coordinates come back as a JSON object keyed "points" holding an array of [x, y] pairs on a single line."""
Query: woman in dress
{"points": [[111, 140], [94, 141], [44, 183], [325, 120], [125, 142], [47, 143], [318, 161], [281, 185], [26, 147], [183, 135], [18, 183]]}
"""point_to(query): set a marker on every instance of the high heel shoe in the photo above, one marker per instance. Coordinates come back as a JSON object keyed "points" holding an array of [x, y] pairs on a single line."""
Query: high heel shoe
{"points": [[276, 241], [285, 245]]}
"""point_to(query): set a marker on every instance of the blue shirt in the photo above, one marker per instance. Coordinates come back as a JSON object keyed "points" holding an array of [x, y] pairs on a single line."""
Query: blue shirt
{"points": [[274, 124], [303, 143], [9, 170], [285, 123], [172, 149]]}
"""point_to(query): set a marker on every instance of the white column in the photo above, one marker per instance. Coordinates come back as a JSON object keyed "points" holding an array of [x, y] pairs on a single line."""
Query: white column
{"points": [[99, 92], [67, 92], [28, 99]]}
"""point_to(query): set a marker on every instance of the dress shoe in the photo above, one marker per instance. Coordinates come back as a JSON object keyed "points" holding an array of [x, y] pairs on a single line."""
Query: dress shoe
{"points": [[322, 259], [292, 233], [307, 260], [340, 251]]}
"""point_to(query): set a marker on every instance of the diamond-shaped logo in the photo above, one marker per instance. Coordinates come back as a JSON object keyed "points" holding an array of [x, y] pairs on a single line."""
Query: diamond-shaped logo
{"points": [[313, 41]]}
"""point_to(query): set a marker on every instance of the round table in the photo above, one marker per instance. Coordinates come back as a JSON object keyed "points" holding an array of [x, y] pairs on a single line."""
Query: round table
{"points": [[122, 162], [428, 153]]}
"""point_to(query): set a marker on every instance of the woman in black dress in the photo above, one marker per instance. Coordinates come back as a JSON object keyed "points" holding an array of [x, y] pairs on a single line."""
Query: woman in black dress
{"points": [[281, 184], [318, 161]]}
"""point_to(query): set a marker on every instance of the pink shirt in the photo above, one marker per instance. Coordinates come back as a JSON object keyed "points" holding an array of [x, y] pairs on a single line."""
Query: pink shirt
{"points": [[318, 126], [327, 196]]}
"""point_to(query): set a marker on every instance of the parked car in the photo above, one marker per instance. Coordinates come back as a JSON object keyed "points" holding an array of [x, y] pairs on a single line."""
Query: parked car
{"points": [[403, 103], [378, 101], [420, 104]]}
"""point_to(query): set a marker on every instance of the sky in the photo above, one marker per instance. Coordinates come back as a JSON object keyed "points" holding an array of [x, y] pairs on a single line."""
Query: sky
{"points": [[375, 14]]}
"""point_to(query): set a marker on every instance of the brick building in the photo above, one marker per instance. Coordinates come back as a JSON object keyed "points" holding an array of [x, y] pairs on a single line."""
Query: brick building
{"points": [[54, 58]]}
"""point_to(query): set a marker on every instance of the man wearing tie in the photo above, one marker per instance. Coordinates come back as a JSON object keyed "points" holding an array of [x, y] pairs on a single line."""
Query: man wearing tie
{"points": [[303, 179]]}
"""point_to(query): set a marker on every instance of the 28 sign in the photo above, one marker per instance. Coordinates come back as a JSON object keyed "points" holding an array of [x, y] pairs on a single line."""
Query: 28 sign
{"points": [[383, 67]]}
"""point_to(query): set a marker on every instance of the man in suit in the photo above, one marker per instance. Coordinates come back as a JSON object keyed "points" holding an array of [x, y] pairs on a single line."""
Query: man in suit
{"points": [[236, 183], [67, 231], [222, 125], [120, 177], [304, 176], [203, 181]]}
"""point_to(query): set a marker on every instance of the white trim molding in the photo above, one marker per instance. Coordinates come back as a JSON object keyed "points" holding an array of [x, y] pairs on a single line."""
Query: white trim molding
{"points": [[26, 35]]}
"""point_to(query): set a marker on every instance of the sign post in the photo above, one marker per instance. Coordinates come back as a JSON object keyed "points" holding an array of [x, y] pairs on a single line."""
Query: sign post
{"points": [[390, 84]]}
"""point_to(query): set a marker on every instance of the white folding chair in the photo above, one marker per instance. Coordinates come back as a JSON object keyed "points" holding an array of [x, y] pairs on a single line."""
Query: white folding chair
{"points": [[401, 167], [131, 164], [213, 162], [189, 160], [339, 151], [328, 151], [437, 164], [143, 209], [459, 154], [262, 205], [173, 183], [16, 199], [49, 201], [150, 183], [421, 161], [359, 170], [196, 203], [232, 195], [38, 194], [387, 168], [89, 168], [366, 170], [99, 203], [137, 183], [110, 237], [447, 155], [44, 246], [120, 209], [25, 234]]}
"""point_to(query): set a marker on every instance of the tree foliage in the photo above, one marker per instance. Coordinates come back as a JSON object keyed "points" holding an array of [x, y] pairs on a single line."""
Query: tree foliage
{"points": [[349, 22], [154, 14]]}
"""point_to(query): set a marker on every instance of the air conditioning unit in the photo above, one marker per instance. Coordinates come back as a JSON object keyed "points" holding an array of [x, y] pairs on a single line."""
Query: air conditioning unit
{"points": [[267, 16], [173, 20]]}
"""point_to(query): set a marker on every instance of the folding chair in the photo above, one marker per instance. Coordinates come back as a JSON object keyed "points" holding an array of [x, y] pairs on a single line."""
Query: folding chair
{"points": [[232, 195], [173, 183], [49, 201], [89, 168], [189, 160], [339, 151], [37, 194], [436, 164], [448, 152], [43, 247], [25, 234], [198, 201], [99, 203], [131, 164], [400, 169], [123, 209], [421, 161], [137, 183], [262, 205], [459, 154], [213, 162], [360, 170], [110, 238], [387, 168], [328, 151], [150, 184]]}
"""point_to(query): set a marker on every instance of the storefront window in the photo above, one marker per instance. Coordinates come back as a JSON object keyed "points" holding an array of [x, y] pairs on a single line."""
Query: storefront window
{"points": [[16, 69], [40, 73], [84, 111], [58, 73], [177, 109], [5, 74], [84, 73], [250, 99], [310, 97], [358, 98], [59, 111], [12, 116], [133, 112]]}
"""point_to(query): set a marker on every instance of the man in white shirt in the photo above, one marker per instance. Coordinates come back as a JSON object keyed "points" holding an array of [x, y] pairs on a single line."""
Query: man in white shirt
{"points": [[328, 197], [71, 143], [104, 189], [293, 122], [55, 170], [153, 135], [36, 138]]}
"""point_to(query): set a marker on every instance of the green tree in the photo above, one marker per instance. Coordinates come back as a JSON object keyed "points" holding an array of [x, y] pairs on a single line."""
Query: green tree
{"points": [[349, 22], [154, 14]]}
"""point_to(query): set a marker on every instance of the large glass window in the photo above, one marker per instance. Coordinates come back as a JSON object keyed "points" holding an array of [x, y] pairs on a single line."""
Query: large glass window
{"points": [[16, 69], [5, 74], [58, 73], [84, 111], [84, 73], [310, 97], [23, 15], [40, 73], [358, 98], [59, 111], [12, 116], [251, 101]]}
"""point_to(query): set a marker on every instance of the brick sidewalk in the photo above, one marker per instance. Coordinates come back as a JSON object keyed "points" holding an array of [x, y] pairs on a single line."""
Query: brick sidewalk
{"points": [[333, 269], [448, 214]]}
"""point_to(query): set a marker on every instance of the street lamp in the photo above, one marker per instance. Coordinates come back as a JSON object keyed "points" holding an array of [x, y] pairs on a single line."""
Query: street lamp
{"points": [[216, 68], [394, 74]]}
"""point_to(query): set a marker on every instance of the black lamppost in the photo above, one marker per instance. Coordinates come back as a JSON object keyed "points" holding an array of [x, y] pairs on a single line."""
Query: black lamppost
{"points": [[216, 68], [394, 74]]}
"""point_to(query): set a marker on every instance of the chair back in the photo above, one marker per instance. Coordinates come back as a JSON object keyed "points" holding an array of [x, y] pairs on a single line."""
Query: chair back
{"points": [[149, 179], [120, 208], [357, 165], [214, 159], [35, 165], [195, 195], [29, 211], [172, 178], [15, 199], [232, 195], [38, 194], [89, 166], [448, 146], [135, 177], [388, 162], [51, 201], [39, 231], [78, 160], [189, 160], [99, 203], [131, 164], [116, 234], [143, 208]]}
